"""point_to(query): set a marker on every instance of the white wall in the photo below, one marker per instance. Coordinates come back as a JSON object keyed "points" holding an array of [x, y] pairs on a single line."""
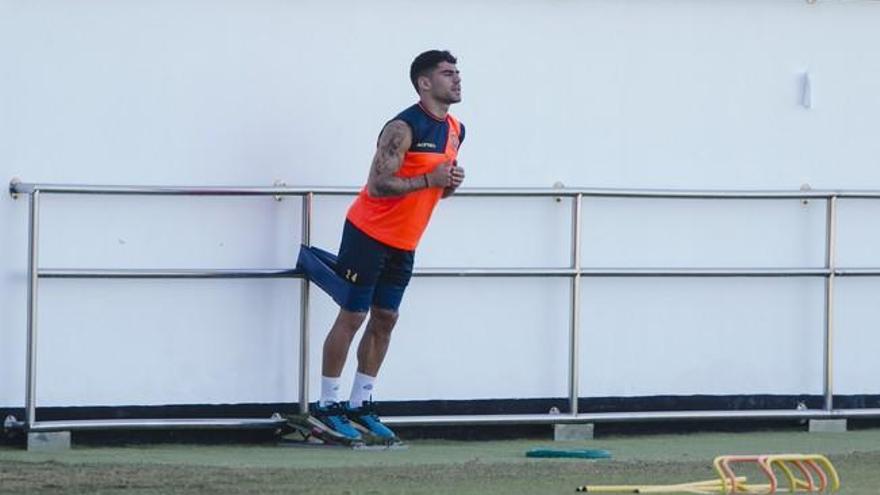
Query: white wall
{"points": [[656, 94]]}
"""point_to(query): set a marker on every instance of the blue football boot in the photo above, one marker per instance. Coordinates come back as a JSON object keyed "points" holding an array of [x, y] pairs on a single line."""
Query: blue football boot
{"points": [[366, 420], [334, 417]]}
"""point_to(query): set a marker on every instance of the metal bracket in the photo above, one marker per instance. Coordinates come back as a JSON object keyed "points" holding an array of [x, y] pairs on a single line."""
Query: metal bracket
{"points": [[805, 187], [12, 183], [558, 185], [279, 183], [11, 423]]}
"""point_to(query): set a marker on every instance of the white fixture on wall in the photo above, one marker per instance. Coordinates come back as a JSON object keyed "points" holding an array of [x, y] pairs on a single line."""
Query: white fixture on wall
{"points": [[806, 90]]}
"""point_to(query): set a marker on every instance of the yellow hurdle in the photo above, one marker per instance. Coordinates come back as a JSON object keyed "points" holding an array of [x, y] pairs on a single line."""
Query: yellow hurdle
{"points": [[805, 473], [806, 464]]}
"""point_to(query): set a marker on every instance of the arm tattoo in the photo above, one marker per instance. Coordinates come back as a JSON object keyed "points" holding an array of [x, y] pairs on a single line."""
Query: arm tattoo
{"points": [[393, 144]]}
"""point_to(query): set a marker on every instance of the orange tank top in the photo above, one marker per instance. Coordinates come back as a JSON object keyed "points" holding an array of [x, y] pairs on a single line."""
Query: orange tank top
{"points": [[400, 221]]}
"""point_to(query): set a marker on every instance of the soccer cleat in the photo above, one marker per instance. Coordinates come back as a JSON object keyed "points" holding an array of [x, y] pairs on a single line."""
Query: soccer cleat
{"points": [[335, 418], [366, 420], [327, 425]]}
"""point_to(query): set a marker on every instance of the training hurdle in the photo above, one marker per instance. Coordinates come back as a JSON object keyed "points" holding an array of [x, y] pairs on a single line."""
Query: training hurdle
{"points": [[807, 465]]}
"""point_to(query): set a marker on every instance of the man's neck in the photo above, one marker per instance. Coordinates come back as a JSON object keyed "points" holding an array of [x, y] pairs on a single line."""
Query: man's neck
{"points": [[435, 108]]}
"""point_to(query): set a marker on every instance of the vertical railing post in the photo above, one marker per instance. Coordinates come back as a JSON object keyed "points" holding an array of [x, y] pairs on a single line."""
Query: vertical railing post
{"points": [[831, 266], [30, 396], [574, 333], [304, 310]]}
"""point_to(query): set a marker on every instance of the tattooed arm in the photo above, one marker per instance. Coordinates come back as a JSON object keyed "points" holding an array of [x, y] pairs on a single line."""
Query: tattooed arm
{"points": [[395, 140]]}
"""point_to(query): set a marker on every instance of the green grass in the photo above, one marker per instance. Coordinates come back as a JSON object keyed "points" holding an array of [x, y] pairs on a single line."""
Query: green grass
{"points": [[426, 467]]}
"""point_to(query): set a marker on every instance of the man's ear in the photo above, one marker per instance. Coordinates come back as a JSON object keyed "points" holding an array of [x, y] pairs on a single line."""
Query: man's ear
{"points": [[424, 83]]}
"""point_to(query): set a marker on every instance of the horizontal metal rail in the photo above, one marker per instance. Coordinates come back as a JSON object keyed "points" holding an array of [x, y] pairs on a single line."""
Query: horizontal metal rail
{"points": [[573, 272], [164, 273], [172, 273], [857, 272], [155, 424], [16, 187], [25, 188], [287, 273], [618, 417], [705, 272]]}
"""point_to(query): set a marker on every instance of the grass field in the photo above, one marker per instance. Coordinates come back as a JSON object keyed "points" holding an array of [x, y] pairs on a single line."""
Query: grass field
{"points": [[427, 466]]}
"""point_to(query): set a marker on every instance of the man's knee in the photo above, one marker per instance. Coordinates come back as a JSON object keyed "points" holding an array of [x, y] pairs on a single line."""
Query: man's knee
{"points": [[383, 319], [351, 321]]}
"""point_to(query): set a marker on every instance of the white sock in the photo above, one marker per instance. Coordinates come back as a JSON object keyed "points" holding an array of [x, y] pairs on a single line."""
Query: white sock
{"points": [[362, 389], [329, 389]]}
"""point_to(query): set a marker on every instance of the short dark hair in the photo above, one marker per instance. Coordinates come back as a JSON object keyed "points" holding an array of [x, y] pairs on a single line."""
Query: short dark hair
{"points": [[427, 61]]}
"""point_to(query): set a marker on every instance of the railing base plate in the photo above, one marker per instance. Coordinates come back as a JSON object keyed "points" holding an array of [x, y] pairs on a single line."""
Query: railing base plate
{"points": [[827, 426], [49, 441], [573, 433]]}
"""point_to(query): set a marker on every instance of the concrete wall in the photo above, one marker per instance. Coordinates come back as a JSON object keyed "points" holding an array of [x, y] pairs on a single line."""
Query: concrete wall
{"points": [[653, 94]]}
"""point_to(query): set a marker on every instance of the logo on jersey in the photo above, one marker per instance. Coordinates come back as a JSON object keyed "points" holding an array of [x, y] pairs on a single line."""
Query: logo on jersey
{"points": [[453, 140], [431, 146]]}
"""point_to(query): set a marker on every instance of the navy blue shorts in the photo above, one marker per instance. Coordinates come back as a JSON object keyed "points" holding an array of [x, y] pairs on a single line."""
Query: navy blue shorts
{"points": [[366, 262]]}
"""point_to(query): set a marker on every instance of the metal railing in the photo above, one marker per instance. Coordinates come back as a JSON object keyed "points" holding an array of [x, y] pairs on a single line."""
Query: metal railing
{"points": [[575, 273]]}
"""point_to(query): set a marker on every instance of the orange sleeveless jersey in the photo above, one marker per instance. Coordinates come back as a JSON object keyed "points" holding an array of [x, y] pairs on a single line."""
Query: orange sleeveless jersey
{"points": [[400, 221]]}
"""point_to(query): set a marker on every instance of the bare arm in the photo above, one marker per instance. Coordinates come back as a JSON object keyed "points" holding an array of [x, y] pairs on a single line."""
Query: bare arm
{"points": [[395, 139]]}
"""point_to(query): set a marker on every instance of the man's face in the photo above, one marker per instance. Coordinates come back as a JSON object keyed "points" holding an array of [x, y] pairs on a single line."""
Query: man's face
{"points": [[445, 83]]}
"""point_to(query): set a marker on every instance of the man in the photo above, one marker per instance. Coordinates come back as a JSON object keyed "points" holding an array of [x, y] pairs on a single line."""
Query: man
{"points": [[413, 168]]}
